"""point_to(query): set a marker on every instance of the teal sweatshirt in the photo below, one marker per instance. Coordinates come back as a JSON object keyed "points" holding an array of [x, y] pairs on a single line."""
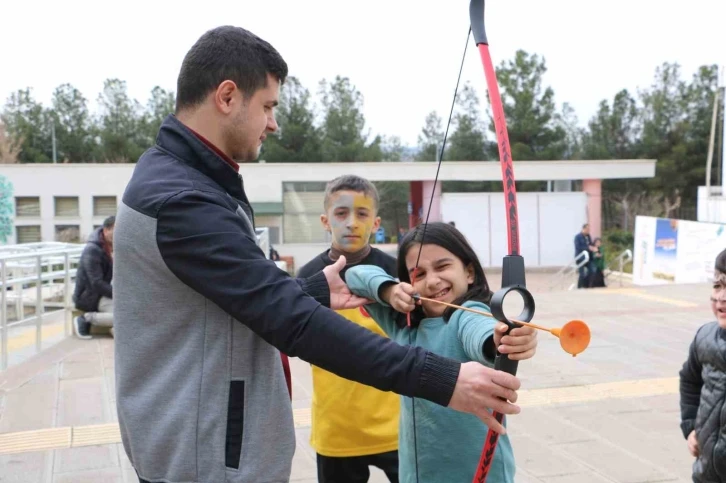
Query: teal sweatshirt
{"points": [[449, 442]]}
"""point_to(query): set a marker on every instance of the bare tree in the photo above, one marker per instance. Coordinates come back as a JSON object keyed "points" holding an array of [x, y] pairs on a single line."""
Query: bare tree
{"points": [[9, 148]]}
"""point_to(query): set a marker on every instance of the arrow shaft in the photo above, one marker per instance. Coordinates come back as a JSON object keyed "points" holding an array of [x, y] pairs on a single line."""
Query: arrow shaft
{"points": [[486, 314]]}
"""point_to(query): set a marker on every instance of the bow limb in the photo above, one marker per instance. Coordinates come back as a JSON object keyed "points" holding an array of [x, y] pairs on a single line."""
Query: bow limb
{"points": [[513, 272]]}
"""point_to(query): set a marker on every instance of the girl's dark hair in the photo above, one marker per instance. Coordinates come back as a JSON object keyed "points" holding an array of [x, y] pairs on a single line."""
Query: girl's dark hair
{"points": [[449, 238], [720, 264]]}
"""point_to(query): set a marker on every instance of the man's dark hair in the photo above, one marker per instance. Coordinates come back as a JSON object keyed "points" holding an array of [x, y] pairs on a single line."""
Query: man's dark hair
{"points": [[585, 225], [721, 262], [227, 53], [109, 222], [350, 182]]}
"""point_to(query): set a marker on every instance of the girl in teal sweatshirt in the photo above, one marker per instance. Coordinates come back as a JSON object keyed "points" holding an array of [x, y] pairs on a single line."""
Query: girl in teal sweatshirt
{"points": [[445, 445]]}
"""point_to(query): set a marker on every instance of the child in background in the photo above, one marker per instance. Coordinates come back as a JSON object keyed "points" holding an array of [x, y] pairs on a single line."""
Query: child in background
{"points": [[447, 443], [703, 389], [354, 426]]}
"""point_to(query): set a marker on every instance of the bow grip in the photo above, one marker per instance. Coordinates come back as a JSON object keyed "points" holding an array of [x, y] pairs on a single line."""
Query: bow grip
{"points": [[476, 18], [513, 280]]}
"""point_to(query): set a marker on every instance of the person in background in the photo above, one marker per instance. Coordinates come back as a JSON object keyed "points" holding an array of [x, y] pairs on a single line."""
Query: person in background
{"points": [[93, 293], [381, 235], [597, 278], [584, 244]]}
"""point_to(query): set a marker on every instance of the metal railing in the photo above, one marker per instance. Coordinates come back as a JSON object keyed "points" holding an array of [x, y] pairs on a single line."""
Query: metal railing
{"points": [[625, 257], [583, 258], [35, 274]]}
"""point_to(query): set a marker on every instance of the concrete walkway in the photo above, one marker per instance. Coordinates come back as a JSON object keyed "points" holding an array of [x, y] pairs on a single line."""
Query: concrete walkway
{"points": [[609, 415]]}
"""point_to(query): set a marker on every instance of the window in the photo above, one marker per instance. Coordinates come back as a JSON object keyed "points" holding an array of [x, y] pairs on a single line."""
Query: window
{"points": [[28, 234], [27, 206], [104, 205], [66, 206], [302, 206], [68, 233]]}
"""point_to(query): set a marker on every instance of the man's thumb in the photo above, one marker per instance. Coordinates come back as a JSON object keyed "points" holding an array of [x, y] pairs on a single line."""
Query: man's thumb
{"points": [[339, 263]]}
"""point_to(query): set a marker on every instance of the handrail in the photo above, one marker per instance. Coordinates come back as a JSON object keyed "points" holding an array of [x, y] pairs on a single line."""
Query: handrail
{"points": [[42, 261], [626, 256], [44, 253], [571, 268]]}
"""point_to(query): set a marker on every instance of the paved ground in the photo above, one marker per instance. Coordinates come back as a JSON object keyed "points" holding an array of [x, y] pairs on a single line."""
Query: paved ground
{"points": [[609, 415]]}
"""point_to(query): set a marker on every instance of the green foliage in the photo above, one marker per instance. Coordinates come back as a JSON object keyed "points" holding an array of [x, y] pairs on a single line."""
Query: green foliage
{"points": [[536, 131], [73, 124], [430, 138], [466, 142], [29, 125], [343, 123], [298, 140], [614, 242], [121, 131]]}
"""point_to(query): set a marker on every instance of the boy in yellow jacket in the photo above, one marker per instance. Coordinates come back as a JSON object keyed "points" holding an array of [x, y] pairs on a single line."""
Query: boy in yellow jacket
{"points": [[354, 426]]}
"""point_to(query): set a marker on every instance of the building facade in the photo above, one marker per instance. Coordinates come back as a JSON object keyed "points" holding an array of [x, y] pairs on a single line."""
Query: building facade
{"points": [[66, 202]]}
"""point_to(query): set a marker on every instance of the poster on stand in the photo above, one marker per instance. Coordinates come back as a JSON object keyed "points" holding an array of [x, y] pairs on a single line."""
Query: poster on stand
{"points": [[675, 251]]}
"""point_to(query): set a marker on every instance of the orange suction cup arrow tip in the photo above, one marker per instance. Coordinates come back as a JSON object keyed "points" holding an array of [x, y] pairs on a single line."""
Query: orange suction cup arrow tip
{"points": [[574, 336]]}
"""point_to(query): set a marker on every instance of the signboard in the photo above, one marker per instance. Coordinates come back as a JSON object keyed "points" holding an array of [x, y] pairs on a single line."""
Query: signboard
{"points": [[675, 251]]}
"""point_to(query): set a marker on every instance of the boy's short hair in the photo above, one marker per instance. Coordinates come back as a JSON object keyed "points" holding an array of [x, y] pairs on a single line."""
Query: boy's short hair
{"points": [[350, 182], [720, 264]]}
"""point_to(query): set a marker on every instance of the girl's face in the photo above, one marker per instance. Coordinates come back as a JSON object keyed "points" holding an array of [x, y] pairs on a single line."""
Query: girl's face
{"points": [[718, 298], [441, 276]]}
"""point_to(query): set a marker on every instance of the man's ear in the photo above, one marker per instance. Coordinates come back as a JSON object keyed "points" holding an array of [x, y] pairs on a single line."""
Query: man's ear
{"points": [[225, 96]]}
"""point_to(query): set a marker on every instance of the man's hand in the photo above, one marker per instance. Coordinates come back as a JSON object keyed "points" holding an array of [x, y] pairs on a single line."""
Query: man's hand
{"points": [[693, 444], [340, 295], [480, 388]]}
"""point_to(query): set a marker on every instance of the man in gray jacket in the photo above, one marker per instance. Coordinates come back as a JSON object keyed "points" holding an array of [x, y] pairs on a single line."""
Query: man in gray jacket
{"points": [[202, 314]]}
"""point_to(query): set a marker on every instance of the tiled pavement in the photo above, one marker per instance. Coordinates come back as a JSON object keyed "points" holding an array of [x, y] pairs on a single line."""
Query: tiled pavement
{"points": [[609, 415]]}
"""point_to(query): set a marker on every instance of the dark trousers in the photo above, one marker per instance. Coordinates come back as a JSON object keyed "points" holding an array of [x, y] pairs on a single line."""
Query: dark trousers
{"points": [[354, 469], [585, 272]]}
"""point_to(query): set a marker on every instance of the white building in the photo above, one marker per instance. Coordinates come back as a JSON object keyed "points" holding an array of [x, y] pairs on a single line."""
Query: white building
{"points": [[67, 201]]}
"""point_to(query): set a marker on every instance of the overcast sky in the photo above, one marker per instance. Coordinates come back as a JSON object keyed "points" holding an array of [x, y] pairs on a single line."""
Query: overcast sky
{"points": [[403, 55]]}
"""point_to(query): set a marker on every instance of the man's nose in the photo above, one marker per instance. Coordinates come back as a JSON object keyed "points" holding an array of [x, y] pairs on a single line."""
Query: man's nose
{"points": [[272, 124]]}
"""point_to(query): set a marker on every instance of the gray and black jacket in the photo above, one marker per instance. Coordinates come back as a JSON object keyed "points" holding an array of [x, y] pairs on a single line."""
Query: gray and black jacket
{"points": [[201, 316], [703, 402]]}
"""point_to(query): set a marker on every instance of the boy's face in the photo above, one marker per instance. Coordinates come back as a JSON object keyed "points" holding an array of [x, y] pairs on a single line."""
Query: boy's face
{"points": [[350, 218], [718, 298]]}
